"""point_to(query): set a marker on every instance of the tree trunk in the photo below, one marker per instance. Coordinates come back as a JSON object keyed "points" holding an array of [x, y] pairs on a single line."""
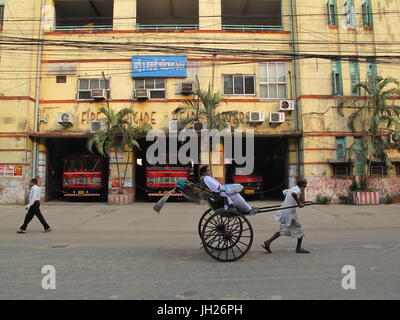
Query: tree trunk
{"points": [[121, 190], [126, 169]]}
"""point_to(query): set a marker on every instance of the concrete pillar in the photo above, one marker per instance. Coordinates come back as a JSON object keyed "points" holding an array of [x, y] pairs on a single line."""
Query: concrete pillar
{"points": [[49, 15], [210, 14], [127, 196], [124, 15]]}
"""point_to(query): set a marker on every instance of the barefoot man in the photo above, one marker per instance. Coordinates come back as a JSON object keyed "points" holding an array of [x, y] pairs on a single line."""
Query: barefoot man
{"points": [[290, 224]]}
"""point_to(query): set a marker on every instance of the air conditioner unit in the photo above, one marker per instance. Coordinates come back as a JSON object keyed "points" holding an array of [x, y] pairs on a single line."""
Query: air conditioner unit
{"points": [[99, 94], [277, 117], [96, 126], [199, 125], [142, 94], [173, 126], [286, 105], [65, 118], [187, 88], [394, 139], [256, 117]]}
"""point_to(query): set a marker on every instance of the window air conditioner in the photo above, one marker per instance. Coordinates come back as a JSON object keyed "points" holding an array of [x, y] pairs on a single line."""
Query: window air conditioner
{"points": [[65, 118], [286, 105], [96, 126], [142, 94], [199, 125], [256, 117], [99, 94], [277, 117], [393, 138], [187, 88]]}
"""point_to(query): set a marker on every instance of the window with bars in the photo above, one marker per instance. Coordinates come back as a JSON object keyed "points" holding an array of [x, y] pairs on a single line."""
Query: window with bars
{"points": [[341, 170], [337, 84], [354, 78], [397, 167], [273, 81], [366, 12], [156, 87], [85, 87], [378, 169], [332, 13], [239, 84]]}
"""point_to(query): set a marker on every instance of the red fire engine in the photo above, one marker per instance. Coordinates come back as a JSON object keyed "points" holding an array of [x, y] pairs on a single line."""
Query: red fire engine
{"points": [[160, 180], [83, 176]]}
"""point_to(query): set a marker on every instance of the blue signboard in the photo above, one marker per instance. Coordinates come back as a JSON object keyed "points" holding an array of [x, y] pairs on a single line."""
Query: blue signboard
{"points": [[159, 66]]}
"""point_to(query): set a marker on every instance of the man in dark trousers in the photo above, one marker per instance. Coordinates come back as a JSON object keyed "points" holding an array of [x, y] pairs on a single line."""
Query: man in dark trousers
{"points": [[33, 208]]}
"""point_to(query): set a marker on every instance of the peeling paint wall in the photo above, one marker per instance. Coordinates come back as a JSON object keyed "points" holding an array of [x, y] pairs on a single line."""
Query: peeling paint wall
{"points": [[328, 186], [13, 190]]}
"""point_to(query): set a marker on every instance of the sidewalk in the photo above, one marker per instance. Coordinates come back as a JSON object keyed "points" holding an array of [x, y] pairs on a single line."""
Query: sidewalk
{"points": [[183, 217]]}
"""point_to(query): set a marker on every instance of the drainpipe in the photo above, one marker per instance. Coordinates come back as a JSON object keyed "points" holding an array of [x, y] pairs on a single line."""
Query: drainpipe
{"points": [[37, 92], [297, 114]]}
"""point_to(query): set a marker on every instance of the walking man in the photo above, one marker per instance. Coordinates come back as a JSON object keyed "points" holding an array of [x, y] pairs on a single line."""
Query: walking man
{"points": [[33, 208], [289, 222]]}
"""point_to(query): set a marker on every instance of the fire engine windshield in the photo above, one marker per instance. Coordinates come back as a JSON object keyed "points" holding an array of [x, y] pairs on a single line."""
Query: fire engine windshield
{"points": [[91, 164], [72, 164]]}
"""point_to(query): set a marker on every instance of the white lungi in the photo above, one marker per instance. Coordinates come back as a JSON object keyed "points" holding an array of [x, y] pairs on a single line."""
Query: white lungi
{"points": [[289, 222]]}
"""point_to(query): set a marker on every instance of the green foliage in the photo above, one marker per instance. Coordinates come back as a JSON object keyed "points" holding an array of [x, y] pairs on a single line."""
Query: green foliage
{"points": [[205, 107], [323, 199], [355, 186], [374, 117], [120, 136], [120, 133], [345, 199]]}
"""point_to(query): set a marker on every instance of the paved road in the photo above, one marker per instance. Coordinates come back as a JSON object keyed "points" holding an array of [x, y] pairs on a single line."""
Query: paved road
{"points": [[127, 252]]}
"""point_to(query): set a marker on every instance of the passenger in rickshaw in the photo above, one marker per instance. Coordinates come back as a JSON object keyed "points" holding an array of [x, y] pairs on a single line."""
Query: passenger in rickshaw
{"points": [[235, 199]]}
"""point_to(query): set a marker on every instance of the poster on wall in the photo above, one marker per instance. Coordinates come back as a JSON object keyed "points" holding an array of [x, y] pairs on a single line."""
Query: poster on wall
{"points": [[120, 157], [18, 171], [114, 183], [9, 171]]}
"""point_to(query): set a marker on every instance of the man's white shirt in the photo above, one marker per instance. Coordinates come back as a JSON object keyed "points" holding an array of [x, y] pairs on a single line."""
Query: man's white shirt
{"points": [[34, 195]]}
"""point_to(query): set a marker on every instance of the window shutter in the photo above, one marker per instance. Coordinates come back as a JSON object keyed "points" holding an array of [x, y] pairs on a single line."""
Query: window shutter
{"points": [[354, 77], [369, 12], [332, 12], [340, 148], [334, 86]]}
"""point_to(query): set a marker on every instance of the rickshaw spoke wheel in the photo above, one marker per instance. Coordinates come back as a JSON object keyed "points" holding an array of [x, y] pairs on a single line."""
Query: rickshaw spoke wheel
{"points": [[203, 219], [227, 235]]}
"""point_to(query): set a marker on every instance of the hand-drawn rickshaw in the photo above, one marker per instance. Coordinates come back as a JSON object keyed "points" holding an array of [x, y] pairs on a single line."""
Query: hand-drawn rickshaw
{"points": [[226, 234]]}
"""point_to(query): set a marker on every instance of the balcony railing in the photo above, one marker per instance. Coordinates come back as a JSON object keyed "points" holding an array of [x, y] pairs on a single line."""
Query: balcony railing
{"points": [[162, 27], [82, 28], [249, 27]]}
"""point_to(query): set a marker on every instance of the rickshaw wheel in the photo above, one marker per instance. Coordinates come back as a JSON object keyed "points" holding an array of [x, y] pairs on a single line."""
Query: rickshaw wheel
{"points": [[227, 235], [203, 219]]}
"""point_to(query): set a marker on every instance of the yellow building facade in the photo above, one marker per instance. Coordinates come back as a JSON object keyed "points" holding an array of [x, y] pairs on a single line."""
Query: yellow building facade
{"points": [[272, 61]]}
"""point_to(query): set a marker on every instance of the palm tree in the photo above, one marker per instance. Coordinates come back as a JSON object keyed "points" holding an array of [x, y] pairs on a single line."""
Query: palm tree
{"points": [[119, 136], [205, 107], [374, 117]]}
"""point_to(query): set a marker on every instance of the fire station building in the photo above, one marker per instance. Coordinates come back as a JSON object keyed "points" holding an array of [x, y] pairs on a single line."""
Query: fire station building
{"points": [[283, 65]]}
